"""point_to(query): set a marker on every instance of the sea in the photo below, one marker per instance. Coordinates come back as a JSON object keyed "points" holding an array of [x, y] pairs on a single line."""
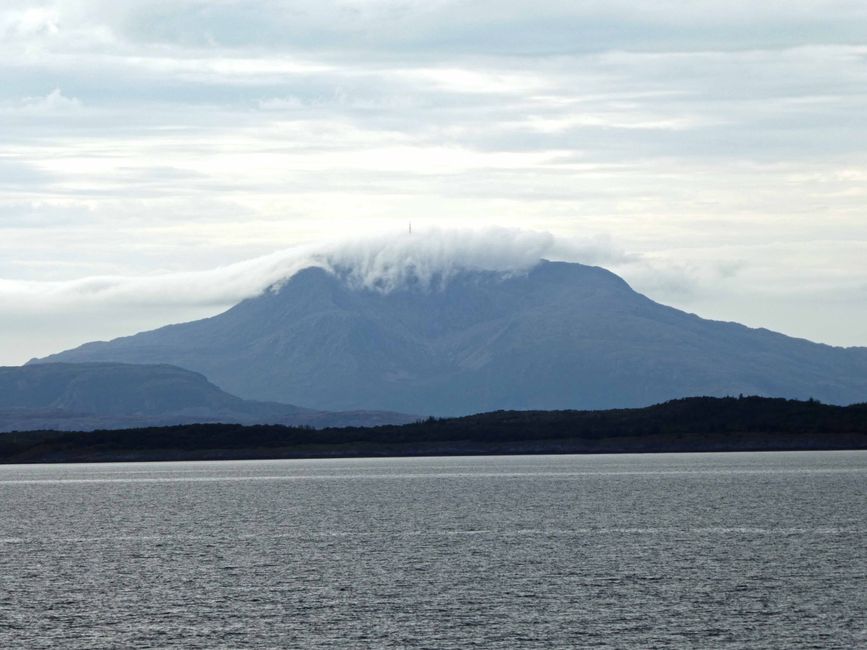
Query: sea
{"points": [[728, 550]]}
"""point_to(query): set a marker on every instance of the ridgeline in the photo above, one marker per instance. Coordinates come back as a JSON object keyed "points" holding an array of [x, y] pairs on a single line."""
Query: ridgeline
{"points": [[685, 425], [560, 336]]}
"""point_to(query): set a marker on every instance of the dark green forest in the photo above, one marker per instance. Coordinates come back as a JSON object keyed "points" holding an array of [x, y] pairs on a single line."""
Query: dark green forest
{"points": [[692, 424]]}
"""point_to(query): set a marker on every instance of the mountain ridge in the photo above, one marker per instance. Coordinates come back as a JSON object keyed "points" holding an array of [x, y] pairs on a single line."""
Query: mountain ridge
{"points": [[87, 396], [559, 335]]}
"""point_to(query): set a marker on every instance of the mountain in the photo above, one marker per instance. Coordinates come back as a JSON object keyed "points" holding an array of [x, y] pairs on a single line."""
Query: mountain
{"points": [[557, 336], [88, 396]]}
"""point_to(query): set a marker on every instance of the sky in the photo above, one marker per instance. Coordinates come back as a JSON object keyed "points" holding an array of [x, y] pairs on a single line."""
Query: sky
{"points": [[160, 160]]}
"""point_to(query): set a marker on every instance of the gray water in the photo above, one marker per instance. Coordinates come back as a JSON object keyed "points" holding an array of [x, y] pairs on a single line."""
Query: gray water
{"points": [[692, 550]]}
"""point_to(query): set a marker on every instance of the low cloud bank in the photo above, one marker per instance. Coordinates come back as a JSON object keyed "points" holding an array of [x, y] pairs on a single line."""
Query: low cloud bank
{"points": [[429, 259], [382, 263]]}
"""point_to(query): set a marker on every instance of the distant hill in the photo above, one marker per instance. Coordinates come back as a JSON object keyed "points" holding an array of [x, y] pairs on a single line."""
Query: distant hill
{"points": [[695, 424], [558, 336], [90, 396]]}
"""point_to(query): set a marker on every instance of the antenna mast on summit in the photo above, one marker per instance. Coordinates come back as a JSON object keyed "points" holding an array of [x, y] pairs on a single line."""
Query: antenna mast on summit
{"points": [[410, 227]]}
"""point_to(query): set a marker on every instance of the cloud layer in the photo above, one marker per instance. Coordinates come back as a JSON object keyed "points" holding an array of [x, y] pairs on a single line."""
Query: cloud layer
{"points": [[382, 263], [722, 144]]}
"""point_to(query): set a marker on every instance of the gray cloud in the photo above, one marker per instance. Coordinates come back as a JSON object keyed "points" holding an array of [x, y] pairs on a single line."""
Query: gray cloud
{"points": [[553, 27]]}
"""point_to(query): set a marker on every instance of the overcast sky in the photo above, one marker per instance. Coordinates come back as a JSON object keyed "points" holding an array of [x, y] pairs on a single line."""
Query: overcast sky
{"points": [[712, 153]]}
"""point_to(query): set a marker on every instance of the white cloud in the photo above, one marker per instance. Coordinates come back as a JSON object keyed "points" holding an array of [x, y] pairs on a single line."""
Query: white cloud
{"points": [[384, 263], [28, 22], [431, 258], [53, 102]]}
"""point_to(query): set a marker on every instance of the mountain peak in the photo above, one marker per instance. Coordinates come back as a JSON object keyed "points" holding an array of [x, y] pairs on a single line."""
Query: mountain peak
{"points": [[451, 339]]}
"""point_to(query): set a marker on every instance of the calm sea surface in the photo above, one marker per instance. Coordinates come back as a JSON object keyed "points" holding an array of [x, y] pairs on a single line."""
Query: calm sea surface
{"points": [[690, 550]]}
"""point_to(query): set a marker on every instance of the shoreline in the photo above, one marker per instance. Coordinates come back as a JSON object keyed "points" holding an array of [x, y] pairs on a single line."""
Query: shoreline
{"points": [[45, 454], [700, 424]]}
